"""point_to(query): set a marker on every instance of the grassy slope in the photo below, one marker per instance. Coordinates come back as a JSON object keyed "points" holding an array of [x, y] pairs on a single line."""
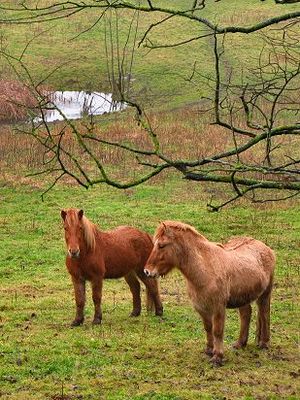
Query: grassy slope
{"points": [[147, 357], [159, 74]]}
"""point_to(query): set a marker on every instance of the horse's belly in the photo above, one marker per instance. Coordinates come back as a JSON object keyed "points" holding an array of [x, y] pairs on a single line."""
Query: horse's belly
{"points": [[115, 270], [245, 294], [113, 274], [240, 302]]}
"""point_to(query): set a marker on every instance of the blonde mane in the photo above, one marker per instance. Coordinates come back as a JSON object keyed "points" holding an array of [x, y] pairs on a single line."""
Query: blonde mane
{"points": [[89, 233], [178, 226]]}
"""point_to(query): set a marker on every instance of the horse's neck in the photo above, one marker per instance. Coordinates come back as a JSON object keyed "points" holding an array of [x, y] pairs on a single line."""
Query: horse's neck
{"points": [[193, 273], [193, 263]]}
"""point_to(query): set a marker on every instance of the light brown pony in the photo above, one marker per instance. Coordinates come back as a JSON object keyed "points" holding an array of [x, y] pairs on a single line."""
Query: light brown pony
{"points": [[94, 255], [218, 277]]}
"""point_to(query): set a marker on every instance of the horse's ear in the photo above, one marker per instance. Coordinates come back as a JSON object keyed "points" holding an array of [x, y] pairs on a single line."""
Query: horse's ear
{"points": [[63, 214], [164, 227], [80, 214]]}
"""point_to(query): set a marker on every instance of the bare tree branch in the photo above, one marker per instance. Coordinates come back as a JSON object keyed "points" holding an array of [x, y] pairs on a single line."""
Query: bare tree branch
{"points": [[250, 107]]}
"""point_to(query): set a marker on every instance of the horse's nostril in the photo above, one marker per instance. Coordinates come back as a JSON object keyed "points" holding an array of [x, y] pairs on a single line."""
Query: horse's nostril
{"points": [[146, 272], [74, 252]]}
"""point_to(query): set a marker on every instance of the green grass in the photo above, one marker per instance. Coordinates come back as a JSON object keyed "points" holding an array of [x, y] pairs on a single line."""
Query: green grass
{"points": [[41, 357]]}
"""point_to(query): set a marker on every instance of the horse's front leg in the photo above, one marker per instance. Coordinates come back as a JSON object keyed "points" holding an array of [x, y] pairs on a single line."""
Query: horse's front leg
{"points": [[207, 322], [79, 290], [218, 321], [97, 295]]}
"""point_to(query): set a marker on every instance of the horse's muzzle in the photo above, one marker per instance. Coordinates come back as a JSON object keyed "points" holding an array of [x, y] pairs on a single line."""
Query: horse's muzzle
{"points": [[74, 253], [150, 274]]}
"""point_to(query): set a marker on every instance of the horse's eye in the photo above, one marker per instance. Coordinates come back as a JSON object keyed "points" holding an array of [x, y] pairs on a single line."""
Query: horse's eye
{"points": [[161, 245]]}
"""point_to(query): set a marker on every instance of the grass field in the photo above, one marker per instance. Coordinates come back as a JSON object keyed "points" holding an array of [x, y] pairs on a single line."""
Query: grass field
{"points": [[134, 358], [144, 358]]}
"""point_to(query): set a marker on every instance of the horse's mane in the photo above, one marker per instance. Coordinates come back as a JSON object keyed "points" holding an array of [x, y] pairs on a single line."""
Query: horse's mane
{"points": [[89, 232], [177, 226]]}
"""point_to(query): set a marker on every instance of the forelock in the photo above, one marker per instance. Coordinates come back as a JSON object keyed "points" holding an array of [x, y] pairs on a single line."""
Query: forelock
{"points": [[72, 216]]}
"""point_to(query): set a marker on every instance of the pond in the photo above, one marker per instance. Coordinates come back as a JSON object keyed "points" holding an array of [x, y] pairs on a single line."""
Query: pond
{"points": [[76, 104]]}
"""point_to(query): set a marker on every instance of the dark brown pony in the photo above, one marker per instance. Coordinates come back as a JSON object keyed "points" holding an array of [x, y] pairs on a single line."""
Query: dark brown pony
{"points": [[94, 255], [218, 277]]}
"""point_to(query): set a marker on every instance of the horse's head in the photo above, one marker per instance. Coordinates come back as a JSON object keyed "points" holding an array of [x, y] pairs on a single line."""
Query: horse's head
{"points": [[74, 236], [164, 255]]}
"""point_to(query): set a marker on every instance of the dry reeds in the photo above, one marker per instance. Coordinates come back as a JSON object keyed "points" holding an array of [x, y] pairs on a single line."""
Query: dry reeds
{"points": [[184, 134], [15, 100]]}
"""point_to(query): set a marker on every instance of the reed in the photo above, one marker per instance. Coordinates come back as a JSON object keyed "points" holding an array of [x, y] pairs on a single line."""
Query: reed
{"points": [[15, 101]]}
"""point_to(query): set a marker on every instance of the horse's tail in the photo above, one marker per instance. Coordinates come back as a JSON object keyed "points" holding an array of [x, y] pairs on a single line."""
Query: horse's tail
{"points": [[153, 300], [149, 298], [149, 301]]}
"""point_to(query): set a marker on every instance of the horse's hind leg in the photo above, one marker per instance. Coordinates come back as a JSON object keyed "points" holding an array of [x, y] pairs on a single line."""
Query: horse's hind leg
{"points": [[245, 317], [263, 319], [152, 292], [97, 295], [135, 289]]}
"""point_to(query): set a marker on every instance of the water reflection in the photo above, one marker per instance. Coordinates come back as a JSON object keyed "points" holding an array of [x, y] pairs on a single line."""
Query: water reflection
{"points": [[75, 104]]}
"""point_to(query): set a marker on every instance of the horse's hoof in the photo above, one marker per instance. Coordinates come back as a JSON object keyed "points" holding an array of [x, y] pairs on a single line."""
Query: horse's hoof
{"points": [[238, 345], [96, 321], [76, 322], [216, 361], [263, 346], [159, 313], [135, 313], [209, 351]]}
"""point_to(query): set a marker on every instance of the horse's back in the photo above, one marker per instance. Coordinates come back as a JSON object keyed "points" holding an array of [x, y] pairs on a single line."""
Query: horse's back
{"points": [[239, 241], [254, 250], [130, 238]]}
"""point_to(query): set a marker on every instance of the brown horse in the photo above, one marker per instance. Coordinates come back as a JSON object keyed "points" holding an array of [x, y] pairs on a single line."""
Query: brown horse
{"points": [[94, 255], [218, 277]]}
